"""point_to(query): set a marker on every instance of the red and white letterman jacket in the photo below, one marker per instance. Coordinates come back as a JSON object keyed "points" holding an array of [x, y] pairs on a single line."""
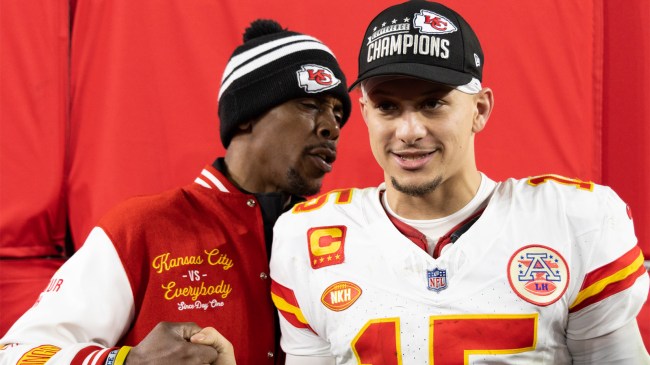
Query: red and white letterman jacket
{"points": [[192, 254]]}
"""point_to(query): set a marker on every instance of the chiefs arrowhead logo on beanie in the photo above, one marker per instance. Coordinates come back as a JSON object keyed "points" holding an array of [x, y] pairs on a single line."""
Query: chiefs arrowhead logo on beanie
{"points": [[315, 78], [272, 66]]}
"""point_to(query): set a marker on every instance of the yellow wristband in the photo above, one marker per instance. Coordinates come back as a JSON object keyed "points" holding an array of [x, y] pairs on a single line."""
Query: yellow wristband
{"points": [[121, 355]]}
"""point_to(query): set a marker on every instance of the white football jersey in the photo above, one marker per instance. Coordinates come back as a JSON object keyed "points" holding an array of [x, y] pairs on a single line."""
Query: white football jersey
{"points": [[549, 258]]}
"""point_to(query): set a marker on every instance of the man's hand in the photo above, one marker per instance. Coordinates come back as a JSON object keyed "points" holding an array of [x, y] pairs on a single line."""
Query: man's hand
{"points": [[169, 343], [210, 337]]}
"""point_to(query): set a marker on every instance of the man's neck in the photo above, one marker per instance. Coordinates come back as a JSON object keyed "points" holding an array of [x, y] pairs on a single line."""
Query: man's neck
{"points": [[447, 198], [221, 165]]}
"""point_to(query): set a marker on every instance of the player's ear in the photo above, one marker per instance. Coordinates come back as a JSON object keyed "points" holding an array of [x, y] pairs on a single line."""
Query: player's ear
{"points": [[484, 104], [363, 105]]}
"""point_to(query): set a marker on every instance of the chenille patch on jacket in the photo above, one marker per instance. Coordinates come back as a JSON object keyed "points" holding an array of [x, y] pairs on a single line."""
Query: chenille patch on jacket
{"points": [[38, 355]]}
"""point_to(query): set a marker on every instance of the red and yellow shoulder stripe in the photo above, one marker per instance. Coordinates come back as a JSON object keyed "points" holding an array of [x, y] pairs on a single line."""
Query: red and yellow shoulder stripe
{"points": [[610, 279], [286, 302]]}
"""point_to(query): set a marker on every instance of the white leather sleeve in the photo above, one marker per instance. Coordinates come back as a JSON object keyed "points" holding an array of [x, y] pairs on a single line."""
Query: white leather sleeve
{"points": [[89, 302]]}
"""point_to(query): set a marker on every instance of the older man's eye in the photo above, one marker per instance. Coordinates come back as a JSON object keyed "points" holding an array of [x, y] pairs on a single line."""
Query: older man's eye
{"points": [[310, 105]]}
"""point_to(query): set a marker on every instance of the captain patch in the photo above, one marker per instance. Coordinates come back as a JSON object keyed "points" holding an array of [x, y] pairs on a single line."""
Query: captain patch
{"points": [[326, 246]]}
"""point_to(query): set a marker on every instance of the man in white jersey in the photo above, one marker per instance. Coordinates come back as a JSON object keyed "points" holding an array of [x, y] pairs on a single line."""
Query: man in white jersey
{"points": [[440, 264]]}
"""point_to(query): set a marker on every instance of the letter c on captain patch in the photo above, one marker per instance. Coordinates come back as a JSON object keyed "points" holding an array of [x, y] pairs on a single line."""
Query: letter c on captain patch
{"points": [[326, 245]]}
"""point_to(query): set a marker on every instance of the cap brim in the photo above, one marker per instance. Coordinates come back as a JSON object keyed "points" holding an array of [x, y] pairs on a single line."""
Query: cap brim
{"points": [[426, 72]]}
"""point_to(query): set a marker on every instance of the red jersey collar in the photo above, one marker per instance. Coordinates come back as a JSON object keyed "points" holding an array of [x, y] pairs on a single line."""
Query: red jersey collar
{"points": [[420, 239]]}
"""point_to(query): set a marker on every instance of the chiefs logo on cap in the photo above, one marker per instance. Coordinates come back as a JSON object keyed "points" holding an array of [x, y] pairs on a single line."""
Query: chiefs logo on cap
{"points": [[315, 78], [433, 23]]}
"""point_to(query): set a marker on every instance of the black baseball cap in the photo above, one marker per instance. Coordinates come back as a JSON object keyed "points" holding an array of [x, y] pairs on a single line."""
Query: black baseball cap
{"points": [[422, 39]]}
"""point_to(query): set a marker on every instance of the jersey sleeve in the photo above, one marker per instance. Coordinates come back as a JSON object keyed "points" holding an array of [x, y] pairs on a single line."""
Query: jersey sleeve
{"points": [[614, 282], [86, 308], [289, 273]]}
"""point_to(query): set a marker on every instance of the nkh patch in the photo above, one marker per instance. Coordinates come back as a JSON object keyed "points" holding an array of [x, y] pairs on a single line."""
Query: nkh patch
{"points": [[436, 279], [316, 78], [340, 295], [538, 274]]}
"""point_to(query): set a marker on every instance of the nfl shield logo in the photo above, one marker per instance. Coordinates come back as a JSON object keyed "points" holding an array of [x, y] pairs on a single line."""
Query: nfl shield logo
{"points": [[437, 279]]}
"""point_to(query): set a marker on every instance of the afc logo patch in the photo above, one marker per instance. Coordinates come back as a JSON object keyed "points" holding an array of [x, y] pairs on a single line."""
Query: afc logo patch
{"points": [[326, 246], [315, 78], [538, 274]]}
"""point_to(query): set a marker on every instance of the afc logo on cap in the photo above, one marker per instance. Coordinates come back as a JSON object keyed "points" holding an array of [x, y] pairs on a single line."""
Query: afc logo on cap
{"points": [[315, 78]]}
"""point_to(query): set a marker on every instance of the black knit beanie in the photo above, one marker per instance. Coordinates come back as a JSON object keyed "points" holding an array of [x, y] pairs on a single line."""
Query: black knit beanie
{"points": [[275, 65]]}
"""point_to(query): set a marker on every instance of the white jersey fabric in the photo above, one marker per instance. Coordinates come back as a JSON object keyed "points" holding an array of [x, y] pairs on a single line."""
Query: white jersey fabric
{"points": [[549, 259]]}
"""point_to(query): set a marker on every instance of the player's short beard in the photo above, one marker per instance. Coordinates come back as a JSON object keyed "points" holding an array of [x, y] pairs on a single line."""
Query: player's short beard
{"points": [[417, 190], [300, 186]]}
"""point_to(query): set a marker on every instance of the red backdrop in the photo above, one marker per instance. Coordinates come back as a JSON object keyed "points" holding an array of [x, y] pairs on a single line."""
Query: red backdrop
{"points": [[105, 99]]}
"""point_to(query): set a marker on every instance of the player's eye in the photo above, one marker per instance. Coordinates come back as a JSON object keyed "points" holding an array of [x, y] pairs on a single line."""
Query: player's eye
{"points": [[386, 106], [431, 103]]}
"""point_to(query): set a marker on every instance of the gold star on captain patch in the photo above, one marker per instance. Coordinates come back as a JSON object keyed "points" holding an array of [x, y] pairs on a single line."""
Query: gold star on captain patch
{"points": [[322, 259], [338, 257], [329, 258]]}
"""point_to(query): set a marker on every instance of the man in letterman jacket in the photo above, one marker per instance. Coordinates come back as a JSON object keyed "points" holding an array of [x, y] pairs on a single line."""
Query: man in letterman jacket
{"points": [[160, 273]]}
